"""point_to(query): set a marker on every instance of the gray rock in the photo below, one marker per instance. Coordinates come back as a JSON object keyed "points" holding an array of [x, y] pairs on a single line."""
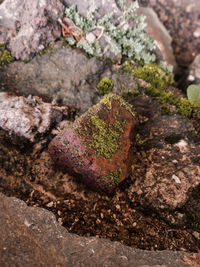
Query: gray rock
{"points": [[29, 26], [26, 118], [32, 237], [103, 7], [65, 75]]}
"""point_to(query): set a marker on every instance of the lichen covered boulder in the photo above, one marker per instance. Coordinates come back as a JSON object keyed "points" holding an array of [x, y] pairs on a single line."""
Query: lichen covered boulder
{"points": [[97, 147]]}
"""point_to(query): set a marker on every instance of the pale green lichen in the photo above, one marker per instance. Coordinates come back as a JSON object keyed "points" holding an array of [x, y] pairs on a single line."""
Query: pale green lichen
{"points": [[105, 138], [105, 86]]}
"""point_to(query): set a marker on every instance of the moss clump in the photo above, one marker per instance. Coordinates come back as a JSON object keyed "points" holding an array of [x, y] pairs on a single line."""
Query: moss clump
{"points": [[184, 107], [154, 74], [105, 138], [5, 56], [113, 177], [49, 49], [127, 94], [105, 86]]}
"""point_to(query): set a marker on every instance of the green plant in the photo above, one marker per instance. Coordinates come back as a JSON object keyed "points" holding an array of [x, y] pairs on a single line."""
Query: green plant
{"points": [[193, 94], [105, 86], [130, 42]]}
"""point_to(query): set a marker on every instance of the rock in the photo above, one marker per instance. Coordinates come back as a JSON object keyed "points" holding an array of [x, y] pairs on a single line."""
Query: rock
{"points": [[31, 236], [29, 27], [26, 119], [103, 7], [63, 75], [194, 71], [167, 155], [157, 31], [97, 146]]}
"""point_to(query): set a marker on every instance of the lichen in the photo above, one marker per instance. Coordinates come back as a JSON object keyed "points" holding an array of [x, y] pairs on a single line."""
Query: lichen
{"points": [[5, 56], [105, 86], [105, 138]]}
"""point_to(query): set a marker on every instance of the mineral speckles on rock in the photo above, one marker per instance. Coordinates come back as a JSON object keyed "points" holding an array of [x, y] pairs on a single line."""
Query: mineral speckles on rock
{"points": [[98, 146], [26, 118]]}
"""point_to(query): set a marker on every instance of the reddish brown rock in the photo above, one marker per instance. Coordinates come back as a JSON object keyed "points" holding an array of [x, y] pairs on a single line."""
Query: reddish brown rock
{"points": [[97, 147]]}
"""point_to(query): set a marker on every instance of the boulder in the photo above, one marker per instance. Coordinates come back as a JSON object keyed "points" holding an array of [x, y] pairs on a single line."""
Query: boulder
{"points": [[64, 75], [97, 147], [26, 119], [28, 27], [31, 236]]}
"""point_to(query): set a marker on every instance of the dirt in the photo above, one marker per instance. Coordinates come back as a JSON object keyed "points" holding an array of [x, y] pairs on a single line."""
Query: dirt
{"points": [[85, 212], [31, 176]]}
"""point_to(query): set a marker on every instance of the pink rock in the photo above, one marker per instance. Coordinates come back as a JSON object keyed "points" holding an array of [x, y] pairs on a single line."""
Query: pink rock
{"points": [[97, 147]]}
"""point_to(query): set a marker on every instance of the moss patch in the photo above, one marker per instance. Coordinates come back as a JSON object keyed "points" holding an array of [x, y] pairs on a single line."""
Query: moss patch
{"points": [[105, 138], [105, 86], [113, 177], [194, 220], [5, 56]]}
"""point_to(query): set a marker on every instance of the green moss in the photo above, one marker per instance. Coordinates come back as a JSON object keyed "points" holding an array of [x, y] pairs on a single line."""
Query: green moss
{"points": [[113, 177], [49, 49], [105, 138], [184, 107], [129, 94], [5, 56], [105, 86], [107, 101]]}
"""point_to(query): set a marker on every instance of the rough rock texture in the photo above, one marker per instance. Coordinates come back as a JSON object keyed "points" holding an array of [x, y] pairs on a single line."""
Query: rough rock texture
{"points": [[32, 237], [103, 7], [167, 167], [26, 118], [97, 146], [64, 75], [29, 26], [194, 71], [181, 18], [158, 32]]}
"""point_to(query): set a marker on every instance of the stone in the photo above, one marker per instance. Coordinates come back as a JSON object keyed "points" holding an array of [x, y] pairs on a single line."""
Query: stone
{"points": [[194, 71], [167, 154], [157, 31], [66, 76], [26, 119], [31, 236], [98, 145], [28, 27]]}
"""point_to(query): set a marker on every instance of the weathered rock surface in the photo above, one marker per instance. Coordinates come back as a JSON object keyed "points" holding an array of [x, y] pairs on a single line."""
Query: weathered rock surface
{"points": [[194, 71], [158, 32], [166, 169], [29, 26], [26, 118], [32, 237], [97, 147], [64, 75]]}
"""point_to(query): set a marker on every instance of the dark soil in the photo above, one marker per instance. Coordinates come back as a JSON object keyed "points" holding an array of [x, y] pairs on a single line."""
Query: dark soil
{"points": [[24, 174]]}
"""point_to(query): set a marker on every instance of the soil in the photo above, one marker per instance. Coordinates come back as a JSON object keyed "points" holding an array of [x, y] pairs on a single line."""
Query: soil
{"points": [[82, 211]]}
